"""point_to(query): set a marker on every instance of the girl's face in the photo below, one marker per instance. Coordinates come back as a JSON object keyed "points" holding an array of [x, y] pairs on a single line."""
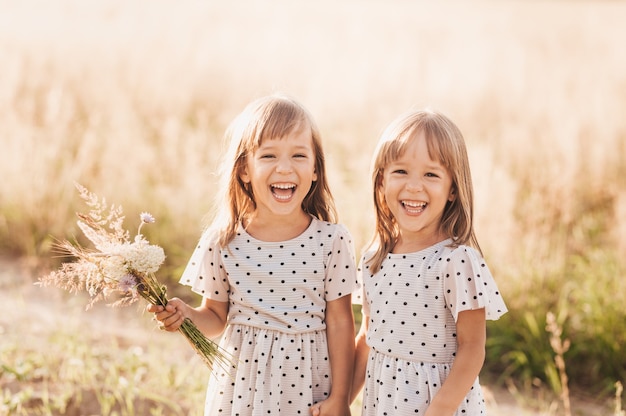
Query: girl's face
{"points": [[417, 189], [281, 172]]}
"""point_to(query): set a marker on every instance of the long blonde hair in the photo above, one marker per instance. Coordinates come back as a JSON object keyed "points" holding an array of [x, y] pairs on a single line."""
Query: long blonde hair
{"points": [[445, 144], [270, 117]]}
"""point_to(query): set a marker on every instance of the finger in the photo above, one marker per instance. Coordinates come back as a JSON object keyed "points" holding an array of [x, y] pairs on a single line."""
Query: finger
{"points": [[162, 316], [168, 328], [173, 322], [172, 328], [174, 302], [315, 410], [154, 308]]}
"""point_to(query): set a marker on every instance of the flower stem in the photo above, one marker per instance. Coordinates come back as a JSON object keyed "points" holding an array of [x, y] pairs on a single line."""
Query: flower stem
{"points": [[210, 352]]}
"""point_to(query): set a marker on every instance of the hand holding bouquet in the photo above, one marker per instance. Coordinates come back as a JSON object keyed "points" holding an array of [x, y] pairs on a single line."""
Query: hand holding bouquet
{"points": [[121, 266]]}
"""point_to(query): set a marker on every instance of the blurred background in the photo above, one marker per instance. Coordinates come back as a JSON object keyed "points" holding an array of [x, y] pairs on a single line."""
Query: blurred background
{"points": [[131, 100]]}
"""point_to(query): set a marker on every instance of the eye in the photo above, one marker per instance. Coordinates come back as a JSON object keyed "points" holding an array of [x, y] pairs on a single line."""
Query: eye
{"points": [[399, 171], [266, 156], [300, 155], [431, 175]]}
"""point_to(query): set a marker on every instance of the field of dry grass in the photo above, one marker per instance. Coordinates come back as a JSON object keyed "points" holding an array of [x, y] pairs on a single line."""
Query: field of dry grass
{"points": [[115, 362], [131, 99]]}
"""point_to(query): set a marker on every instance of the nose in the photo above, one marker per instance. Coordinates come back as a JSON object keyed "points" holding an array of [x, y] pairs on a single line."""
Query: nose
{"points": [[284, 165], [414, 185]]}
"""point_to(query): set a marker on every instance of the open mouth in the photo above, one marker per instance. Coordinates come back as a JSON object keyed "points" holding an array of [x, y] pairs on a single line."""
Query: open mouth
{"points": [[413, 207], [283, 191]]}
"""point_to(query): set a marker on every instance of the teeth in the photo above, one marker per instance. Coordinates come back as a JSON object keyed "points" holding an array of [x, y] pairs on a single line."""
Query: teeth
{"points": [[412, 204], [284, 186]]}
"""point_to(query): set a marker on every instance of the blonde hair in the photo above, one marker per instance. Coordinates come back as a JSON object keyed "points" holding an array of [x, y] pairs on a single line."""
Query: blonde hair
{"points": [[271, 117], [445, 144]]}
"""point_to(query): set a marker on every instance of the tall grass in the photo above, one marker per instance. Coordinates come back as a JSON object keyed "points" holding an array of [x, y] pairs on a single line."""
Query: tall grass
{"points": [[131, 100]]}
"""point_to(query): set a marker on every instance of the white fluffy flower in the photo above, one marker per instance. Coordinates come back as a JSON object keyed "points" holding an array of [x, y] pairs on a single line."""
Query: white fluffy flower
{"points": [[114, 267], [143, 257]]}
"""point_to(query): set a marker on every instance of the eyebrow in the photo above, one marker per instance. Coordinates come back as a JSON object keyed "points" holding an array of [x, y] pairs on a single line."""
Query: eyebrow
{"points": [[266, 146], [438, 166], [429, 166]]}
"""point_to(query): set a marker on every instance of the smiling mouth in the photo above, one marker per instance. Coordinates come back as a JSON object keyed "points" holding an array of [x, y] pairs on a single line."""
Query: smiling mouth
{"points": [[413, 207], [283, 191]]}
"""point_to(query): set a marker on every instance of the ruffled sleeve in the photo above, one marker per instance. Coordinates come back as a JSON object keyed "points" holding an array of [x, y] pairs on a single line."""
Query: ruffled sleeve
{"points": [[205, 271], [341, 277], [359, 296], [469, 285]]}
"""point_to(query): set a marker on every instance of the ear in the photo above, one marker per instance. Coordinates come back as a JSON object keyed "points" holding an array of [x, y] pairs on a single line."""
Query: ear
{"points": [[243, 174], [314, 175], [452, 195]]}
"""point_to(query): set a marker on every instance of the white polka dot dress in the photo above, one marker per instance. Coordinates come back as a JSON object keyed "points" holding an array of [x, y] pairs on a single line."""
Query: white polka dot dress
{"points": [[277, 294], [413, 303]]}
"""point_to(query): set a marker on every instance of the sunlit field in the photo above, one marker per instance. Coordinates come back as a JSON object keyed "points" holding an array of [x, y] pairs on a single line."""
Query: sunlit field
{"points": [[131, 99]]}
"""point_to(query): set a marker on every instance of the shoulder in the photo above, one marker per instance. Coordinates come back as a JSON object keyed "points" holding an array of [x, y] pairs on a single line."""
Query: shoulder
{"points": [[461, 251], [209, 241], [366, 259], [331, 230], [463, 257]]}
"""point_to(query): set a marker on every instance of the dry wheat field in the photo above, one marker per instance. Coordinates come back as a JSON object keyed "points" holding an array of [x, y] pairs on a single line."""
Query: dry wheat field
{"points": [[131, 99]]}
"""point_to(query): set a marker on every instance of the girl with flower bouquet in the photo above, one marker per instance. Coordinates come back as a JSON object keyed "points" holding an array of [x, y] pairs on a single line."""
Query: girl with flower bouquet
{"points": [[275, 272]]}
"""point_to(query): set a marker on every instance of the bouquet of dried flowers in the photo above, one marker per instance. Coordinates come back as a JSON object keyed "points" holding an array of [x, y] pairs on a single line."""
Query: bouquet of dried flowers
{"points": [[121, 266]]}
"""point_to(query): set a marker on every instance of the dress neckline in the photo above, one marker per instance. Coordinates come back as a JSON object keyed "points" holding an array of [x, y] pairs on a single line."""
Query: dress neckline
{"points": [[306, 231], [425, 250]]}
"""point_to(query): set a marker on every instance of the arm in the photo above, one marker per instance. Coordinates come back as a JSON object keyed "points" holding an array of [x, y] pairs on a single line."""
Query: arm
{"points": [[210, 317], [340, 332], [470, 356], [360, 358]]}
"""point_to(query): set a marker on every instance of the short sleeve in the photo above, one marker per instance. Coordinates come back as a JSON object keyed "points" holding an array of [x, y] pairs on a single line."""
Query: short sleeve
{"points": [[469, 285], [205, 271], [341, 279], [359, 296]]}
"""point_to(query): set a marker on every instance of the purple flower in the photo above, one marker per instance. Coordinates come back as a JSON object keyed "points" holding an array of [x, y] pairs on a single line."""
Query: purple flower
{"points": [[127, 283], [146, 218]]}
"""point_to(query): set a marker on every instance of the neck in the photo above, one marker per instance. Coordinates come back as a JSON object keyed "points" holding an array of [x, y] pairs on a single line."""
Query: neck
{"points": [[277, 228], [411, 244]]}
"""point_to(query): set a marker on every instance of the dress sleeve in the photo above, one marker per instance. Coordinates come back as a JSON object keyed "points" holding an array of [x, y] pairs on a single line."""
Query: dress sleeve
{"points": [[205, 271], [358, 295], [341, 279], [469, 285]]}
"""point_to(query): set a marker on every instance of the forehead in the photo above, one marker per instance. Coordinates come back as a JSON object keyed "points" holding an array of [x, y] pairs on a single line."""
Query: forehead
{"points": [[415, 154], [300, 136], [417, 140]]}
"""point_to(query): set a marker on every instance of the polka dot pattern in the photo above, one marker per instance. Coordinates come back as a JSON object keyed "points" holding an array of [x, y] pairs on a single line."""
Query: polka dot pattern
{"points": [[413, 302], [277, 294]]}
